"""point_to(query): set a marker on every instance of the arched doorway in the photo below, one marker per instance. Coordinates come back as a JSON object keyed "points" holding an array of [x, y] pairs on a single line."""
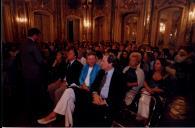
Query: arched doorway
{"points": [[44, 21], [99, 29], [73, 28]]}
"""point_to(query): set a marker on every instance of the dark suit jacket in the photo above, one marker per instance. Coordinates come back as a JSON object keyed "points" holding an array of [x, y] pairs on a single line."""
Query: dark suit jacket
{"points": [[72, 73], [116, 90], [31, 60]]}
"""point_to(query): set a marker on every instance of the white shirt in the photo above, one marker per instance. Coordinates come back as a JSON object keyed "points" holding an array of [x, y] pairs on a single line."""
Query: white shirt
{"points": [[105, 89], [71, 62], [31, 38], [88, 76]]}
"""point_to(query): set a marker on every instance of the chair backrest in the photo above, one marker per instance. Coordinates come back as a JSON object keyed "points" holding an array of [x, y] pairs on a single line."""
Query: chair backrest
{"points": [[156, 110]]}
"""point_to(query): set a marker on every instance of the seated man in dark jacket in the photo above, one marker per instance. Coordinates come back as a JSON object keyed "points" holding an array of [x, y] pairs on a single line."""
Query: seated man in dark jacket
{"points": [[107, 92], [68, 77]]}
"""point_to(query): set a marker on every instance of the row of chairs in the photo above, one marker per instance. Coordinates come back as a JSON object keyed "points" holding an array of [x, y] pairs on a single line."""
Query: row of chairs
{"points": [[127, 115]]}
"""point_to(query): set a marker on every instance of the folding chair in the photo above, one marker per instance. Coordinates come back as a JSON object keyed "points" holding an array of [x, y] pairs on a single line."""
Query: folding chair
{"points": [[127, 116]]}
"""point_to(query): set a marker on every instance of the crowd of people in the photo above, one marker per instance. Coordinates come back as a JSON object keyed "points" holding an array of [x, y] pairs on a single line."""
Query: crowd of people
{"points": [[91, 82]]}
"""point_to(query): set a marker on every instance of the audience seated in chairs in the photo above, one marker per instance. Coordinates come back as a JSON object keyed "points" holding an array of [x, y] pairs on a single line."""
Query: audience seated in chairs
{"points": [[89, 101], [146, 105], [75, 93], [182, 69], [69, 76]]}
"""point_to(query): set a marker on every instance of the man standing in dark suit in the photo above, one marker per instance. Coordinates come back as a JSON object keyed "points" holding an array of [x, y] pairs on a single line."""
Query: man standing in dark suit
{"points": [[107, 92], [31, 67]]}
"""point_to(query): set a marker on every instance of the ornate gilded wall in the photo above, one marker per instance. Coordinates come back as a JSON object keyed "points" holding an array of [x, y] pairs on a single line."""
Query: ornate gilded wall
{"points": [[164, 23]]}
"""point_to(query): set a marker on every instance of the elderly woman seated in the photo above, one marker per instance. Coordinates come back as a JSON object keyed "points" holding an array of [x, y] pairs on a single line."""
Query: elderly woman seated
{"points": [[134, 77]]}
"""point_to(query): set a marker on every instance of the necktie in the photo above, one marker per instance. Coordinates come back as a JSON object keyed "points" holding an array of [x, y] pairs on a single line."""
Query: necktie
{"points": [[103, 81], [68, 67]]}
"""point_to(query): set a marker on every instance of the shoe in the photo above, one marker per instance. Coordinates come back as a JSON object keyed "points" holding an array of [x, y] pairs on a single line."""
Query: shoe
{"points": [[44, 121]]}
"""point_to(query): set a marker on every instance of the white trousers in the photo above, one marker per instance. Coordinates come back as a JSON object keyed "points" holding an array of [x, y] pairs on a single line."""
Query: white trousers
{"points": [[144, 104], [130, 95], [66, 105]]}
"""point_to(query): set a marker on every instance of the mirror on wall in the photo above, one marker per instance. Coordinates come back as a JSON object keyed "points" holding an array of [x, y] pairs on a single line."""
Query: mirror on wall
{"points": [[169, 22], [130, 22]]}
